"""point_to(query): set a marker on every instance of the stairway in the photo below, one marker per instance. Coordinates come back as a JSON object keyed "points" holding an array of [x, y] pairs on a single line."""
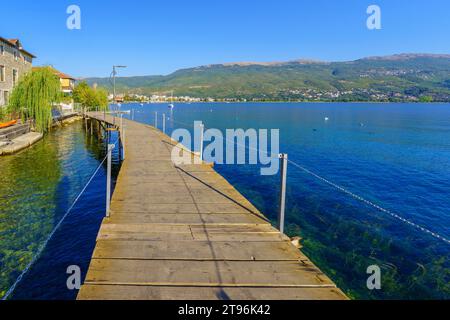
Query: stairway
{"points": [[14, 131]]}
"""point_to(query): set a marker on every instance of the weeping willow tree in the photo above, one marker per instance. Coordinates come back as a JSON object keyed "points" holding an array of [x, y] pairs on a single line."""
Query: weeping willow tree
{"points": [[3, 113], [35, 96]]}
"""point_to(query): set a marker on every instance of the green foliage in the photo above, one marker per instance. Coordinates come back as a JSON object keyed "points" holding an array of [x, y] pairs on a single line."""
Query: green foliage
{"points": [[426, 99], [396, 78], [34, 97], [128, 98], [3, 113], [89, 98]]}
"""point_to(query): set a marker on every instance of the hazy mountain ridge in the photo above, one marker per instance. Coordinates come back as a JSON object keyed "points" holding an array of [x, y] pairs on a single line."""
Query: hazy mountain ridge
{"points": [[402, 77]]}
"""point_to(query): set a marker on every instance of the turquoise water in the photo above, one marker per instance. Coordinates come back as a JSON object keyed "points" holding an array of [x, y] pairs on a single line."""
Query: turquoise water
{"points": [[37, 187], [395, 155]]}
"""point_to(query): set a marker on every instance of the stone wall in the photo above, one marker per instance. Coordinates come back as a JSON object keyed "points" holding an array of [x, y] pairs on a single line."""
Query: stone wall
{"points": [[22, 64]]}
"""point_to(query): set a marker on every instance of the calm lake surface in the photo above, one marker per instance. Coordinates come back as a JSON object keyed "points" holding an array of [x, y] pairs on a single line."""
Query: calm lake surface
{"points": [[395, 155], [37, 187]]}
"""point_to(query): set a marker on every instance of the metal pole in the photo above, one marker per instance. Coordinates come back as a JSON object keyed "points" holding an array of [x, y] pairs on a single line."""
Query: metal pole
{"points": [[108, 179], [164, 122], [114, 84], [202, 128], [123, 143], [283, 173], [156, 119]]}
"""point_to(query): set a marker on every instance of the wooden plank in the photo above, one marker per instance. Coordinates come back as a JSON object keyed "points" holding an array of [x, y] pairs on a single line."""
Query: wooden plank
{"points": [[184, 232], [140, 232], [116, 292], [163, 208], [185, 218], [205, 273], [198, 250]]}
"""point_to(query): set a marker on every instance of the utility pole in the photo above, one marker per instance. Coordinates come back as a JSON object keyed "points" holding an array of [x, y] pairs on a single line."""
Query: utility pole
{"points": [[114, 73]]}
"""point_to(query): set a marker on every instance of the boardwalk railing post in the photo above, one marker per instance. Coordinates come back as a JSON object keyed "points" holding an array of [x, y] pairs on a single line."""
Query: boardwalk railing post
{"points": [[108, 179], [283, 173], [156, 119], [123, 143], [164, 122], [202, 129]]}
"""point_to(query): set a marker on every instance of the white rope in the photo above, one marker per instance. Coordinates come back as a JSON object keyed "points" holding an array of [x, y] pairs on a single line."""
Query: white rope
{"points": [[234, 142], [396, 216], [44, 244]]}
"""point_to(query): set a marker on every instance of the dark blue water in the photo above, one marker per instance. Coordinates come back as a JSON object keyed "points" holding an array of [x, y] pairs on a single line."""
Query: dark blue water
{"points": [[396, 155]]}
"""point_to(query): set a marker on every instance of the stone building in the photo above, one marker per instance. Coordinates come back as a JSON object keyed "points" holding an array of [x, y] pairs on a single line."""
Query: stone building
{"points": [[14, 62]]}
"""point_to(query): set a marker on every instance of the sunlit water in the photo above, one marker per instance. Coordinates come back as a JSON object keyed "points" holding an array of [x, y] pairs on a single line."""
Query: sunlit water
{"points": [[37, 187], [395, 155]]}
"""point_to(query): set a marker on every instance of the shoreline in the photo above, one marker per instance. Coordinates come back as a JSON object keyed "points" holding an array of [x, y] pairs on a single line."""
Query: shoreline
{"points": [[27, 140], [286, 102]]}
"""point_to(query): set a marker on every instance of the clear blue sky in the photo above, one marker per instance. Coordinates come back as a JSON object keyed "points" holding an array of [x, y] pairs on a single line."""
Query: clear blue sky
{"points": [[159, 37]]}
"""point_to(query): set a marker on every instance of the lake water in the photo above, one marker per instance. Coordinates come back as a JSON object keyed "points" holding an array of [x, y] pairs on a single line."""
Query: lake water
{"points": [[394, 155], [37, 187]]}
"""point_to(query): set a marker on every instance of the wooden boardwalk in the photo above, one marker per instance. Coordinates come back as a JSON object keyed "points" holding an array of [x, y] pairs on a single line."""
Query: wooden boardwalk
{"points": [[184, 233]]}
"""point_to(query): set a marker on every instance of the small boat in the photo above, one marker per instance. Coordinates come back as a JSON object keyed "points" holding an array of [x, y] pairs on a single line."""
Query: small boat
{"points": [[326, 118], [7, 124]]}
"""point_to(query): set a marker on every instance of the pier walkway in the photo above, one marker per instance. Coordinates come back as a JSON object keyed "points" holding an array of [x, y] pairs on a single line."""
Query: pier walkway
{"points": [[184, 233]]}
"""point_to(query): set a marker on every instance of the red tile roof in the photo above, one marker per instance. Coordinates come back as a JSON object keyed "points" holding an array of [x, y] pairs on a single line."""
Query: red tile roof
{"points": [[59, 74]]}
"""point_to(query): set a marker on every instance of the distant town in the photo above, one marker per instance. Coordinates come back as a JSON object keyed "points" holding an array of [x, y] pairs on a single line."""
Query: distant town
{"points": [[305, 95]]}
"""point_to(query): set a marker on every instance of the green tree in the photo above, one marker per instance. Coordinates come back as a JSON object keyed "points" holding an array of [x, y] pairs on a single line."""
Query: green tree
{"points": [[90, 99], [35, 96], [426, 99]]}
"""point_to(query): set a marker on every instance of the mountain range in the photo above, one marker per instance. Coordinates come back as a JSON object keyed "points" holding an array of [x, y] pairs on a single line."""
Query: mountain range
{"points": [[401, 77]]}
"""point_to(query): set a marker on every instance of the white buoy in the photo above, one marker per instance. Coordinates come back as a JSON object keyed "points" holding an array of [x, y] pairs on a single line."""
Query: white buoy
{"points": [[326, 118]]}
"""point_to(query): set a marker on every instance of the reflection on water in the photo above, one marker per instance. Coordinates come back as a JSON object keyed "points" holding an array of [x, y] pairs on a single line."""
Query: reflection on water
{"points": [[399, 159], [37, 186]]}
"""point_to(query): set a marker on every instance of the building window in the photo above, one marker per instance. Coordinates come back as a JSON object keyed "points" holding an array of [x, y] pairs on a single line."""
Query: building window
{"points": [[2, 50], [15, 55], [2, 73], [15, 76]]}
